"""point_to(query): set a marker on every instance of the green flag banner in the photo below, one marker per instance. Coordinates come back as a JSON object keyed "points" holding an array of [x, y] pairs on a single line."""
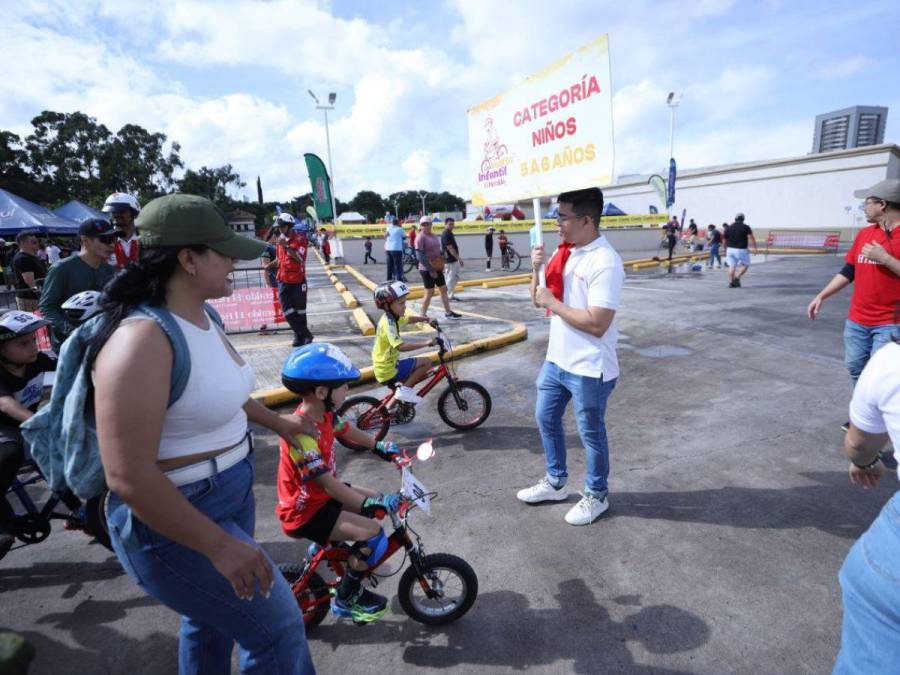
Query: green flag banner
{"points": [[321, 186]]}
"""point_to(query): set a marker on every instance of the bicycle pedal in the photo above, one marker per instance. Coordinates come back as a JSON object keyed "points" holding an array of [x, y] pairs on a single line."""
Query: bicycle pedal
{"points": [[70, 525]]}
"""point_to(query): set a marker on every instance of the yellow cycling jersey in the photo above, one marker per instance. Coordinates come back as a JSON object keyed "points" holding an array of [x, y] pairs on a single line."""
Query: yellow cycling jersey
{"points": [[386, 348]]}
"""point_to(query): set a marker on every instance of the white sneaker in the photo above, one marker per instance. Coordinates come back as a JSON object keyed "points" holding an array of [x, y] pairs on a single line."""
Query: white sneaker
{"points": [[542, 492], [407, 395], [587, 510]]}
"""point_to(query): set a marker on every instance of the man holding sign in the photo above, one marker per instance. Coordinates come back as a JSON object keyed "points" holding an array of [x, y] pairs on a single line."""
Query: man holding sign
{"points": [[585, 276]]}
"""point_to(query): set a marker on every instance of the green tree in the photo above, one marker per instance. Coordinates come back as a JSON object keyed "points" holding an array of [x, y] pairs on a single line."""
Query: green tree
{"points": [[65, 155], [368, 203], [14, 175], [212, 183], [135, 161]]}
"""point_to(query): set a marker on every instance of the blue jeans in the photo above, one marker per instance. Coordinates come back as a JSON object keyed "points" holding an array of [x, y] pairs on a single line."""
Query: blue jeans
{"points": [[860, 342], [555, 387], [714, 254], [269, 631], [395, 266], [870, 586]]}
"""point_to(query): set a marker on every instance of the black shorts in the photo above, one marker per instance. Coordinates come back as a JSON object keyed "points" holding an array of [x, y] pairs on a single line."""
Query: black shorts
{"points": [[430, 281], [320, 525]]}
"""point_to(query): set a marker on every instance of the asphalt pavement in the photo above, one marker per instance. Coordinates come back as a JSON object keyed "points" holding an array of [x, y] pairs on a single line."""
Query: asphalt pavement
{"points": [[730, 513]]}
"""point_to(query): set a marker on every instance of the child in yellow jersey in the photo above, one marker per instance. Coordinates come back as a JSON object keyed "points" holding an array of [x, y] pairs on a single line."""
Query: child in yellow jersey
{"points": [[389, 369]]}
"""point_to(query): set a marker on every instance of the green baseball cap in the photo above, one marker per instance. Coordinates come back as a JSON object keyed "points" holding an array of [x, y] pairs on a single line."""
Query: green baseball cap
{"points": [[185, 220]]}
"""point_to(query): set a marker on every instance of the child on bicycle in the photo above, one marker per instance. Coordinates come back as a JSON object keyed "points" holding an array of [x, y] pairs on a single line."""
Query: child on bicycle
{"points": [[22, 368], [503, 242], [390, 369], [312, 502]]}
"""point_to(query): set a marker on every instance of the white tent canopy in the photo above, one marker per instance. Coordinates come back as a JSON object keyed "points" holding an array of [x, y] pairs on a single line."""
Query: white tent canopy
{"points": [[351, 217]]}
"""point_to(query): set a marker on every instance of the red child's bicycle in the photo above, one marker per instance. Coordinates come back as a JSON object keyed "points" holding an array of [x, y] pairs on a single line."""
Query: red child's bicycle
{"points": [[462, 405], [435, 589]]}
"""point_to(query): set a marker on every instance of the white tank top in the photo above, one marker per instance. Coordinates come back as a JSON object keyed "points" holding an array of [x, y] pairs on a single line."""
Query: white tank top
{"points": [[209, 415]]}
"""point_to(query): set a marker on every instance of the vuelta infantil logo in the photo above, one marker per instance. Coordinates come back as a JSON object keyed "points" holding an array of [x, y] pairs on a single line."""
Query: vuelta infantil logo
{"points": [[496, 158], [320, 189]]}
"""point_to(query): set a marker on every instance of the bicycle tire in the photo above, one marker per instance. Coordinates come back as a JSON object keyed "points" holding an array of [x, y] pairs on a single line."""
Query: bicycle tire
{"points": [[447, 404], [409, 584], [349, 412], [408, 264], [95, 519], [315, 589], [514, 262]]}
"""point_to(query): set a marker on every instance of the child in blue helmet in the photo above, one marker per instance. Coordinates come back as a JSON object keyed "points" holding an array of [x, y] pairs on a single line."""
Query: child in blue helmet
{"points": [[312, 503]]}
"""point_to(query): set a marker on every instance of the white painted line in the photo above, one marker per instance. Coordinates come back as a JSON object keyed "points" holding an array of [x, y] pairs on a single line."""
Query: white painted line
{"points": [[340, 311]]}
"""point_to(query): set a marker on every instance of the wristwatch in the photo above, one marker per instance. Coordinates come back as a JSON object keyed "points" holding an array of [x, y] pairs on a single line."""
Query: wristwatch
{"points": [[870, 465]]}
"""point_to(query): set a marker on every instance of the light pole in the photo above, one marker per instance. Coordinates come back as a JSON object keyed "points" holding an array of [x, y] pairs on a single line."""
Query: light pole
{"points": [[672, 101], [422, 196], [325, 108]]}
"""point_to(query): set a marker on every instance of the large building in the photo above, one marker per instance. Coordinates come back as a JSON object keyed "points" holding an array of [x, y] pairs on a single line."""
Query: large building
{"points": [[812, 191], [854, 127]]}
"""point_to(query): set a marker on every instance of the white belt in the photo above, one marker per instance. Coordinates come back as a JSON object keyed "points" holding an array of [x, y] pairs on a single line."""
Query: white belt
{"points": [[191, 473]]}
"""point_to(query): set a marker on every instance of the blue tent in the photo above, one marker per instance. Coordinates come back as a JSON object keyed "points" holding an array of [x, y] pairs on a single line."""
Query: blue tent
{"points": [[18, 214], [78, 212], [610, 209]]}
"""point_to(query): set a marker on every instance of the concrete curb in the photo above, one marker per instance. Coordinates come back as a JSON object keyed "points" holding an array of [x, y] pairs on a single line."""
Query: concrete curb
{"points": [[518, 332], [363, 322]]}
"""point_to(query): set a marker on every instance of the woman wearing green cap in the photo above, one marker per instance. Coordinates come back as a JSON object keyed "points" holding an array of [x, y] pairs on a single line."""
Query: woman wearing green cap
{"points": [[181, 510]]}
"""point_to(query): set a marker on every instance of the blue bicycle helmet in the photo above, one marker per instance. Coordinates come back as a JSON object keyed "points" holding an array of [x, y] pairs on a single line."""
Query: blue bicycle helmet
{"points": [[317, 364]]}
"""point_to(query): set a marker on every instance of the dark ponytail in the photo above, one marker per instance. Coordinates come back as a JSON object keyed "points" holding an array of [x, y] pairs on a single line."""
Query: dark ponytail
{"points": [[137, 283]]}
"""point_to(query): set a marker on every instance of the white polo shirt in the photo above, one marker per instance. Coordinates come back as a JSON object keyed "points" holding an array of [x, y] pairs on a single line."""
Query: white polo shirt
{"points": [[875, 407], [593, 277]]}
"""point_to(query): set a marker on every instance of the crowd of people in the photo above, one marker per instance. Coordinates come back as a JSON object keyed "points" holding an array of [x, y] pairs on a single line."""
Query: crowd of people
{"points": [[180, 469], [732, 241]]}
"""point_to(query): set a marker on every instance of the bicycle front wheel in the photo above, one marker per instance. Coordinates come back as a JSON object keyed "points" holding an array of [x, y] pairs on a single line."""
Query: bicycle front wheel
{"points": [[515, 261], [363, 412], [95, 519], [468, 408], [408, 264], [451, 578]]}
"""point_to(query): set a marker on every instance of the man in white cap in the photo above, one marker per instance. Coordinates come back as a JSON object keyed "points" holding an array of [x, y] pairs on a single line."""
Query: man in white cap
{"points": [[123, 209], [872, 265]]}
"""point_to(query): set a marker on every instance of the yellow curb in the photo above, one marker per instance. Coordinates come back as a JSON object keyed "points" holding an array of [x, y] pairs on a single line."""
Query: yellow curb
{"points": [[366, 327], [506, 282], [349, 300], [360, 277], [340, 287], [519, 332]]}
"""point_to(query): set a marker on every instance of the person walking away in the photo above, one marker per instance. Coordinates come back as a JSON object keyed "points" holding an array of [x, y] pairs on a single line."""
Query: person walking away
{"points": [[714, 238], [393, 247], [291, 249], [22, 368], [503, 243], [670, 231], [488, 248], [53, 253], [369, 256], [181, 508], [29, 271], [870, 630], [454, 260], [87, 271], [872, 265], [739, 234], [431, 268], [123, 208], [585, 277], [692, 236]]}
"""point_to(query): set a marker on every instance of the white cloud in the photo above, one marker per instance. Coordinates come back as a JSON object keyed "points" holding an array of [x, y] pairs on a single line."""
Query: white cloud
{"points": [[844, 67]]}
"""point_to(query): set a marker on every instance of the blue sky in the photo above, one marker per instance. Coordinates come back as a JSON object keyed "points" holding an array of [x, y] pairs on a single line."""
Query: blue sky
{"points": [[228, 80]]}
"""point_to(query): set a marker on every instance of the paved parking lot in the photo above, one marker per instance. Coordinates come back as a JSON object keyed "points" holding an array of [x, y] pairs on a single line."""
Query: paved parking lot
{"points": [[731, 510]]}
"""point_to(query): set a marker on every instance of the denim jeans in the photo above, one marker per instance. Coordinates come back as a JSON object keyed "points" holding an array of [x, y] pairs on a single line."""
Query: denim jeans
{"points": [[714, 255], [293, 305], [395, 266], [555, 387], [870, 586], [860, 342], [269, 631]]}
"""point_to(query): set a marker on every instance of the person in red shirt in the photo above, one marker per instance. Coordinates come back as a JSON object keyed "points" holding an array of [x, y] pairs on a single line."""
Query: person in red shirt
{"points": [[291, 254], [873, 267], [313, 503], [123, 209], [411, 235]]}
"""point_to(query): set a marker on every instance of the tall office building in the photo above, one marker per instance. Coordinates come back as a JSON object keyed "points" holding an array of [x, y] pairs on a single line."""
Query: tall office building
{"points": [[849, 128]]}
